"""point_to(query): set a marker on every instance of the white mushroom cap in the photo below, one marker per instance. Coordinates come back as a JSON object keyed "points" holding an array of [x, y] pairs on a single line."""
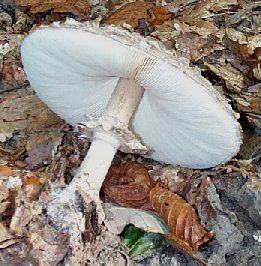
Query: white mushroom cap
{"points": [[75, 68]]}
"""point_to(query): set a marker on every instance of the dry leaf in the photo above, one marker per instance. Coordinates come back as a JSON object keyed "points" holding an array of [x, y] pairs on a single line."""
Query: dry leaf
{"points": [[10, 45], [5, 170], [6, 238], [32, 180], [128, 185], [205, 8], [77, 7], [158, 15], [235, 80], [5, 20], [9, 152], [7, 205], [129, 14], [49, 245], [251, 146], [31, 116], [245, 12], [257, 71], [181, 219], [249, 103], [118, 217], [32, 186], [193, 46], [4, 200], [199, 26], [249, 49], [13, 70], [201, 195], [141, 15], [20, 219], [22, 21], [41, 148]]}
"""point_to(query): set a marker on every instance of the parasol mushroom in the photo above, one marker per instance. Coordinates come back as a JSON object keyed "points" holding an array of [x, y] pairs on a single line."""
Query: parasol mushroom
{"points": [[129, 93]]}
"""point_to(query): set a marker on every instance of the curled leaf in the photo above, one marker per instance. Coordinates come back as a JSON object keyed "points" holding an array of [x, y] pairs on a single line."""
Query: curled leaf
{"points": [[128, 185], [181, 218]]}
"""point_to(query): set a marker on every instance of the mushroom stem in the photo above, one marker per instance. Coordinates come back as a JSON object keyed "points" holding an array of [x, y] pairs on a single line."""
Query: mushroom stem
{"points": [[96, 163], [94, 168], [124, 100]]}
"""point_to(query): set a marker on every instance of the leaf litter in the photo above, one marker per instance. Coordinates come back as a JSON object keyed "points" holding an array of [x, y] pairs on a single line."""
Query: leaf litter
{"points": [[184, 230], [222, 38]]}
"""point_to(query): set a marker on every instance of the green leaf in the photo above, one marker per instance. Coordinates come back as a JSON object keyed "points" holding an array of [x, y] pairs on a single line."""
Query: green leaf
{"points": [[147, 242], [131, 235]]}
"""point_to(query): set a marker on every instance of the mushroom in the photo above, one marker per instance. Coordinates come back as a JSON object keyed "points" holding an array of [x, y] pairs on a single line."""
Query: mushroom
{"points": [[128, 93]]}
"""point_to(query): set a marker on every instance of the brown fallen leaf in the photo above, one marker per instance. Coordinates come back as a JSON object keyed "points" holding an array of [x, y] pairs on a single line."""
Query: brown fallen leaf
{"points": [[140, 15], [4, 202], [5, 170], [248, 47], [195, 47], [77, 7], [234, 79], [40, 148], [128, 185], [49, 245], [6, 238], [5, 20], [21, 217], [22, 20], [11, 153], [251, 146], [185, 230], [32, 115], [158, 15], [205, 8], [129, 14], [199, 26], [245, 12], [32, 180], [7, 206], [13, 70], [32, 186], [249, 103]]}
